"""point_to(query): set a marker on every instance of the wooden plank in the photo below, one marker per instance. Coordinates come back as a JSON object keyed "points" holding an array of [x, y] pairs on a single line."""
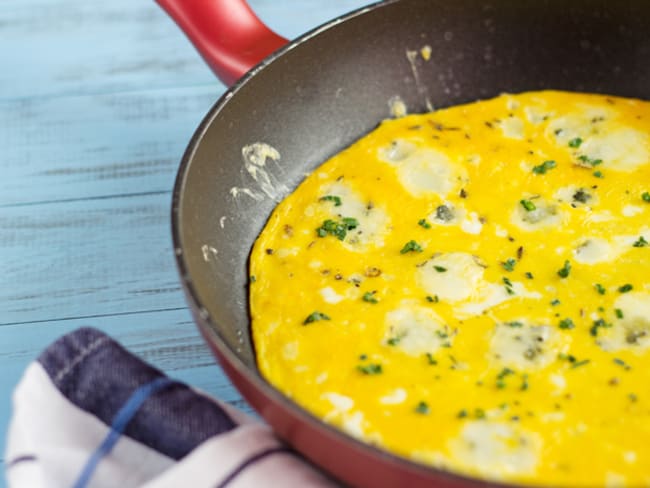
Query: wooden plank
{"points": [[95, 145], [83, 47], [84, 258], [168, 340]]}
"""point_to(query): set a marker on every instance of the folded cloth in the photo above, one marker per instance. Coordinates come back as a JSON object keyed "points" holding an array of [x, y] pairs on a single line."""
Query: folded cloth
{"points": [[88, 413]]}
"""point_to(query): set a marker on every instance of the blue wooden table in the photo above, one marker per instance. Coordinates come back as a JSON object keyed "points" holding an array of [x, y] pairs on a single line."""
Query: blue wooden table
{"points": [[97, 103]]}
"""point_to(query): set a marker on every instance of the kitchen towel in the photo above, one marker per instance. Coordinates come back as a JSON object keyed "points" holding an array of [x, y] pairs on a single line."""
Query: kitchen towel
{"points": [[87, 413]]}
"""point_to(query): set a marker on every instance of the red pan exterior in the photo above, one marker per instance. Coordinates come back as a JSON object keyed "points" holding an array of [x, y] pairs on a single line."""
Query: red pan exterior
{"points": [[328, 88]]}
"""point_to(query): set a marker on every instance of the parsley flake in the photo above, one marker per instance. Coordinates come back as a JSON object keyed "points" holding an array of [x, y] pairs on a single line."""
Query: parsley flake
{"points": [[331, 198], [440, 269], [528, 205], [422, 408], [514, 324], [565, 270], [619, 313], [645, 196], [600, 288], [370, 369], [575, 143], [544, 167], [625, 288], [581, 363], [599, 174], [623, 364], [370, 297], [337, 229], [314, 317], [509, 264], [431, 360], [597, 324], [566, 324], [423, 223], [640, 242], [411, 246]]}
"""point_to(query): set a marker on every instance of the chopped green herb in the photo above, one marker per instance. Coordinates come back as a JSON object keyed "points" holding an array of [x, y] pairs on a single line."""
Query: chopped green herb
{"points": [[370, 297], [599, 174], [331, 198], [524, 382], [393, 341], [565, 270], [575, 142], [350, 223], [544, 167], [431, 360], [363, 357], [581, 196], [619, 313], [528, 205], [555, 302], [440, 269], [623, 364], [514, 324], [597, 324], [315, 316], [370, 369], [339, 230], [424, 223], [633, 397], [645, 196], [566, 324], [509, 264], [529, 275], [580, 363], [462, 414], [422, 408], [253, 279], [501, 377], [568, 357], [479, 413], [625, 288], [411, 246], [600, 288], [433, 299], [591, 162], [640, 242], [509, 285]]}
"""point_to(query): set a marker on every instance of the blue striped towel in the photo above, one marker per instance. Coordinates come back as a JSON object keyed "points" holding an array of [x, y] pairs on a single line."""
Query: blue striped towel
{"points": [[88, 413]]}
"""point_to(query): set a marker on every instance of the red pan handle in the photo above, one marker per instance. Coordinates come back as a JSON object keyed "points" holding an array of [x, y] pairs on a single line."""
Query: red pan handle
{"points": [[229, 36]]}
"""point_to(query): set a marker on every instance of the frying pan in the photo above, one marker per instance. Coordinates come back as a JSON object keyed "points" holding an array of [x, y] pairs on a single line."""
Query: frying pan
{"points": [[314, 96]]}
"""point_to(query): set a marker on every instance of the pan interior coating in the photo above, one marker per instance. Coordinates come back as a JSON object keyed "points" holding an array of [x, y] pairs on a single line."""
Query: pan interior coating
{"points": [[467, 289]]}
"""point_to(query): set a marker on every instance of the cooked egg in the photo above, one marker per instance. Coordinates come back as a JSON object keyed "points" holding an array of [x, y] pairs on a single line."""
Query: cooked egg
{"points": [[469, 289]]}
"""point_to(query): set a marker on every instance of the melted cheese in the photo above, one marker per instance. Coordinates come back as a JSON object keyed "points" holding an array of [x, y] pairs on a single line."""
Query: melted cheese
{"points": [[469, 289]]}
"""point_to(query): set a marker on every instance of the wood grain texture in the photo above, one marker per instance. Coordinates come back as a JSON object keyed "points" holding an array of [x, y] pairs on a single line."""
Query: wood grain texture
{"points": [[97, 103]]}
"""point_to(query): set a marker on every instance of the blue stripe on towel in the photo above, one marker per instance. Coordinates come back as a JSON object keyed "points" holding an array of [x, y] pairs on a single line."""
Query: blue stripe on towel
{"points": [[121, 420]]}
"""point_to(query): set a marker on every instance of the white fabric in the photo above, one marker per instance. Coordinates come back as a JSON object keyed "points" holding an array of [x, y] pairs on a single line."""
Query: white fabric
{"points": [[62, 437]]}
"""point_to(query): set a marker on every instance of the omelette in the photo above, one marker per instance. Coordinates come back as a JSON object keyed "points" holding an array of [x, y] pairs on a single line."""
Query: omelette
{"points": [[468, 288]]}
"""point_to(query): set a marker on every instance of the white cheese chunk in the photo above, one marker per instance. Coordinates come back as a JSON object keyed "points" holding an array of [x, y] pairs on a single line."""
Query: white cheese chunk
{"points": [[423, 171], [452, 277], [512, 127], [632, 332], [544, 215], [416, 330], [395, 397], [330, 296], [525, 346], [373, 221], [496, 449]]}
